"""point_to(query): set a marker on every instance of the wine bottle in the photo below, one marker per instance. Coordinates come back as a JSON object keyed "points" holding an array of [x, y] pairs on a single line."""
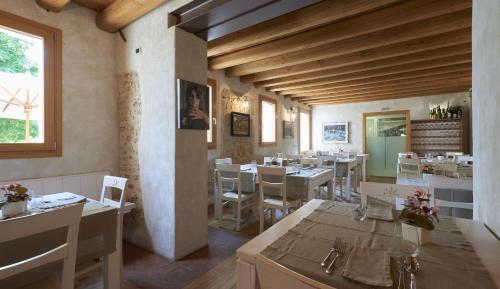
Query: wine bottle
{"points": [[443, 113]]}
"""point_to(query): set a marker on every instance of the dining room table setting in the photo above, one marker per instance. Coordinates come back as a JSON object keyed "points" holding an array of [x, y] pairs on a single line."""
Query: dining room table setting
{"points": [[346, 246]]}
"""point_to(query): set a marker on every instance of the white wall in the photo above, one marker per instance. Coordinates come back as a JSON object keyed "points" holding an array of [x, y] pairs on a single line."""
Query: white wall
{"points": [[486, 120], [89, 96], [353, 113]]}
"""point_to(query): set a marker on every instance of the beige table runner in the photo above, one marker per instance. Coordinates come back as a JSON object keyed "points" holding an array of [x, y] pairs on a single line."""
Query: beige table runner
{"points": [[448, 261]]}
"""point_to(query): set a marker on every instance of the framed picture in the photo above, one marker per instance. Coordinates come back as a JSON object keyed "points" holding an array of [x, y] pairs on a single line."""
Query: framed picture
{"points": [[193, 105], [287, 129], [336, 132], [240, 124]]}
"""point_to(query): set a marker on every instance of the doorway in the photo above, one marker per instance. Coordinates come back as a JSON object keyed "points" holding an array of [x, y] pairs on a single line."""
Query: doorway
{"points": [[385, 134]]}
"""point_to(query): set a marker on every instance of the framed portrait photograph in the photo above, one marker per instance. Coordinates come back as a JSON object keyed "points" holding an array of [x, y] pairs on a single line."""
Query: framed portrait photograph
{"points": [[193, 105], [240, 124], [287, 129], [336, 132]]}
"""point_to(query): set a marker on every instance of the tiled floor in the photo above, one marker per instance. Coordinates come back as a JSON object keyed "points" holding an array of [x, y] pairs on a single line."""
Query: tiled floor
{"points": [[146, 270]]}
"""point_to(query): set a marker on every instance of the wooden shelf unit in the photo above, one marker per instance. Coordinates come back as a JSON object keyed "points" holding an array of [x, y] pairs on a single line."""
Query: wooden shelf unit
{"points": [[439, 136]]}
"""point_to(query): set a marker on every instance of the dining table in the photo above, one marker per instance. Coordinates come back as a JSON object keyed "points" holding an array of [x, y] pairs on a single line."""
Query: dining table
{"points": [[301, 183], [96, 239], [461, 253]]}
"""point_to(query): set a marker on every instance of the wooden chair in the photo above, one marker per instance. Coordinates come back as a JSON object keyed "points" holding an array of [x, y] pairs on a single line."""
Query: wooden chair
{"points": [[453, 155], [317, 162], [268, 161], [438, 184], [410, 167], [389, 192], [446, 169], [226, 161], [67, 217], [231, 174], [275, 201], [273, 275]]}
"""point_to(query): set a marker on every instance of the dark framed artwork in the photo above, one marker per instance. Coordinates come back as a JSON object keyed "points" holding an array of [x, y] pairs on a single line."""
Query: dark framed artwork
{"points": [[193, 105], [287, 129], [240, 124]]}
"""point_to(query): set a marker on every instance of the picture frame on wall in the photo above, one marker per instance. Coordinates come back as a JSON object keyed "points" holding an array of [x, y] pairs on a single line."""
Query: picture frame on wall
{"points": [[335, 132], [193, 105], [287, 129], [240, 124]]}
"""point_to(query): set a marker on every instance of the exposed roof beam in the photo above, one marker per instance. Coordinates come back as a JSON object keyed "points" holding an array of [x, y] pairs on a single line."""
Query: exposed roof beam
{"points": [[392, 96], [384, 52], [397, 15], [53, 5], [304, 19], [413, 67], [396, 63], [389, 89], [355, 85], [437, 25], [120, 13]]}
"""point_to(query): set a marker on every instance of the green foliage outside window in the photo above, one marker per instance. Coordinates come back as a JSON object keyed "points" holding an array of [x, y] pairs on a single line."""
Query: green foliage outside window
{"points": [[12, 130], [13, 57]]}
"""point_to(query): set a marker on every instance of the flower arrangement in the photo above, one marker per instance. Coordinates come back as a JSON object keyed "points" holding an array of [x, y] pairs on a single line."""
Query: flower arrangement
{"points": [[15, 193], [418, 212]]}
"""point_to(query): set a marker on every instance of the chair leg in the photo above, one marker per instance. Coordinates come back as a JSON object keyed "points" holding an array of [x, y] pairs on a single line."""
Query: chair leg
{"points": [[273, 216], [238, 220], [261, 219]]}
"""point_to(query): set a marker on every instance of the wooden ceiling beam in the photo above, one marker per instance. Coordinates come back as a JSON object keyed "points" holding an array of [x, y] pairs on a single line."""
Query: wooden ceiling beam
{"points": [[389, 96], [120, 13], [397, 62], [53, 5], [389, 89], [433, 26], [385, 52], [298, 21], [428, 64], [354, 86], [392, 16]]}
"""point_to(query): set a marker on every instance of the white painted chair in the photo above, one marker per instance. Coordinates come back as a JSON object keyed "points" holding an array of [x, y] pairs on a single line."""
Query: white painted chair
{"points": [[443, 183], [274, 201], [410, 167], [231, 174], [269, 160], [411, 155], [309, 162], [389, 192], [464, 159], [68, 217], [273, 275], [453, 155], [226, 161], [446, 169]]}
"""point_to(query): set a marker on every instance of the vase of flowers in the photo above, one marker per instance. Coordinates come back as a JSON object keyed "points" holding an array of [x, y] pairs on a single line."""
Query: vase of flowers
{"points": [[16, 200], [418, 217]]}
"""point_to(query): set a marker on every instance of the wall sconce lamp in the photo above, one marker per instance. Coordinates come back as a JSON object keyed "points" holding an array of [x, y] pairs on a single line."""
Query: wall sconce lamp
{"points": [[293, 113]]}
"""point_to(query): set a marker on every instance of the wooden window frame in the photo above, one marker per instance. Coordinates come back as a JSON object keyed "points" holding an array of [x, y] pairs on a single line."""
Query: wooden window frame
{"points": [[52, 146], [213, 144], [308, 112], [270, 100]]}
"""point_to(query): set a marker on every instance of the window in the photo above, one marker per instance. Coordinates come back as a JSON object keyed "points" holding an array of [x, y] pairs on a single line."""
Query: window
{"points": [[30, 88], [305, 131], [212, 131], [267, 121]]}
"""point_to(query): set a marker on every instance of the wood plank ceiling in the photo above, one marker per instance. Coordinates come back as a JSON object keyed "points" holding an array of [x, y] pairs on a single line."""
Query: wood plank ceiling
{"points": [[339, 51]]}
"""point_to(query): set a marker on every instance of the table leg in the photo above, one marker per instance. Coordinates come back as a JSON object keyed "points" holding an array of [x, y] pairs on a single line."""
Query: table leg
{"points": [[217, 200], [330, 189], [310, 190], [363, 168], [348, 185], [113, 263]]}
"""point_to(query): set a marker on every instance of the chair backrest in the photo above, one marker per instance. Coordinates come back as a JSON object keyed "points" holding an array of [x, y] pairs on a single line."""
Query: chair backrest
{"points": [[446, 169], [307, 162], [453, 155], [440, 185], [328, 161], [226, 161], [410, 166], [273, 275], [268, 177], [409, 155], [389, 192], [117, 183], [269, 160], [67, 217], [464, 158], [229, 175]]}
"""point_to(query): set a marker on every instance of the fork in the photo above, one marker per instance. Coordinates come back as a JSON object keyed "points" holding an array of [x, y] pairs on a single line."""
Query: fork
{"points": [[339, 251], [334, 244]]}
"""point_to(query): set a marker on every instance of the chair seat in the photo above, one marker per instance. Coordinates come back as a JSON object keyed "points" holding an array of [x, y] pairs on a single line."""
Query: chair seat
{"points": [[277, 201], [234, 196]]}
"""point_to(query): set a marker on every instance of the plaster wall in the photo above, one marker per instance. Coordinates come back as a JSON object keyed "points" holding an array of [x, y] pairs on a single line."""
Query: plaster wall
{"points": [[353, 113], [486, 120], [89, 96]]}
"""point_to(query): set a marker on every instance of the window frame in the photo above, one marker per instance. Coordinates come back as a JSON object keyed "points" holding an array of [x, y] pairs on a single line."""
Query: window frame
{"points": [[52, 146], [213, 84], [273, 101], [309, 113]]}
